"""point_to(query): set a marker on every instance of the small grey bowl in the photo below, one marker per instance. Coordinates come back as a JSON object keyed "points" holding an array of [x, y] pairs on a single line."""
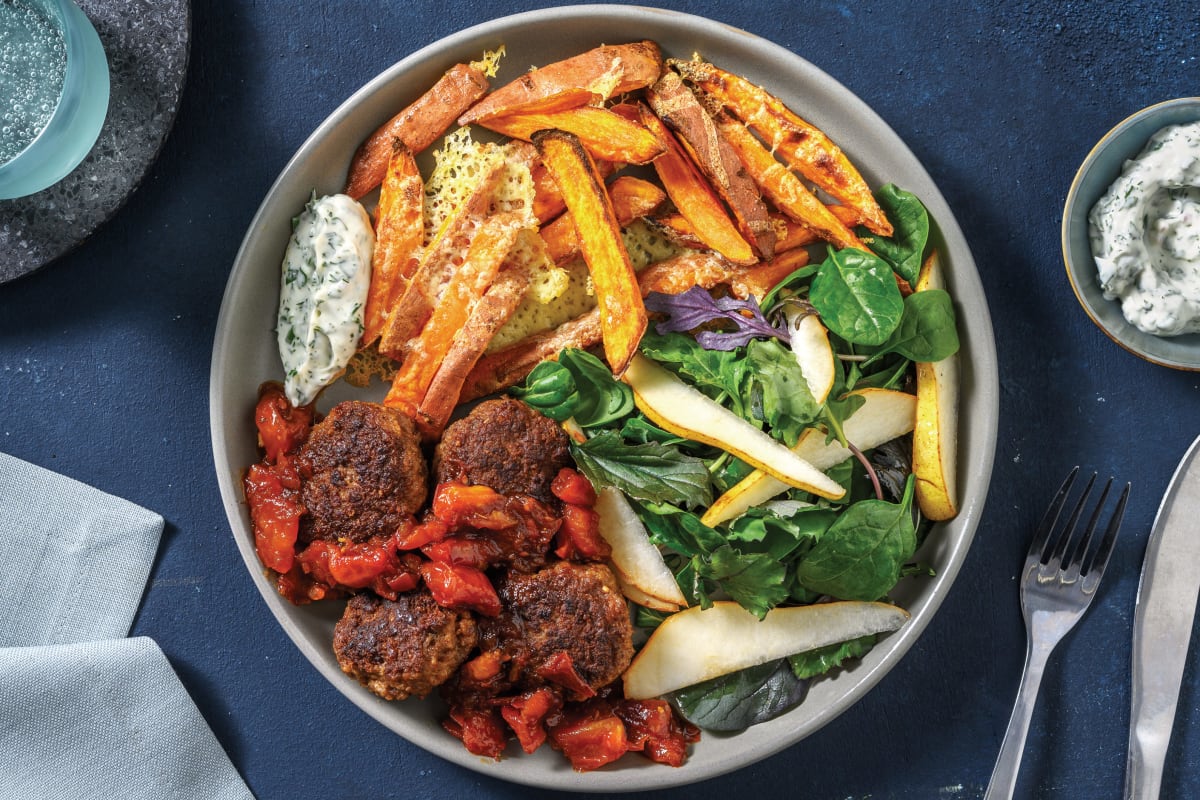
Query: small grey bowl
{"points": [[1101, 167]]}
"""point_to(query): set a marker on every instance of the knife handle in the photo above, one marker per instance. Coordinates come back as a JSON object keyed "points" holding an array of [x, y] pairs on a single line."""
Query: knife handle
{"points": [[1147, 752]]}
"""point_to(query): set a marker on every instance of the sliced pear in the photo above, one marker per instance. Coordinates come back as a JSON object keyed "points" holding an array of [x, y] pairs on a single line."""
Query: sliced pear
{"points": [[673, 405], [935, 439], [884, 415], [634, 556], [810, 343], [636, 595], [698, 644]]}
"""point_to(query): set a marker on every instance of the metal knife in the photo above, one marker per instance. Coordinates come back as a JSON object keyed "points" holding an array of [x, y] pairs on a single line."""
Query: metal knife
{"points": [[1162, 626]]}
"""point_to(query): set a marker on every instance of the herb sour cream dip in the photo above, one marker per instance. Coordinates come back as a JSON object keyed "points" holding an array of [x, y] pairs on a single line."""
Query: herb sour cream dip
{"points": [[1145, 234], [322, 293]]}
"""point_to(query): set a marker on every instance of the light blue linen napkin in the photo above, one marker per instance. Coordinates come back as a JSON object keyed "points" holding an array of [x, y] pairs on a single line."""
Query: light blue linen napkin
{"points": [[84, 711]]}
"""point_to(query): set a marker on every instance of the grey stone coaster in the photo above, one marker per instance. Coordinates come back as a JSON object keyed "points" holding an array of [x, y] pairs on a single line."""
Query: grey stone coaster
{"points": [[146, 42]]}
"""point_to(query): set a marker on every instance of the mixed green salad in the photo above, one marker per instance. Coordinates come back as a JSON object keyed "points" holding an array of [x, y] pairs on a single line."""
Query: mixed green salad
{"points": [[796, 548]]}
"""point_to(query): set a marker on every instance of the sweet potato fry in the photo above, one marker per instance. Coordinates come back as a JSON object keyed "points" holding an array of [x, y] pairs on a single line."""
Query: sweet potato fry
{"points": [[547, 200], [490, 243], [418, 125], [622, 315], [675, 104], [782, 187], [437, 264], [606, 135], [804, 147], [503, 368], [608, 70], [631, 198], [693, 196], [399, 229], [494, 309]]}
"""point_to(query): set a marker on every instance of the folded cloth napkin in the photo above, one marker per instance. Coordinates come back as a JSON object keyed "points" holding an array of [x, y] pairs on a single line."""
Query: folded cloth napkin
{"points": [[85, 712]]}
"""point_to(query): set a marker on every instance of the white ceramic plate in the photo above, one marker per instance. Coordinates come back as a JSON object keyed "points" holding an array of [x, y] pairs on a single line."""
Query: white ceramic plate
{"points": [[244, 355]]}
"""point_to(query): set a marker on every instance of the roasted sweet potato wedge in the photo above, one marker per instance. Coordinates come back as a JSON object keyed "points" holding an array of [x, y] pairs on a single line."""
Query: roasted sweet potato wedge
{"points": [[608, 70], [781, 186], [804, 147], [437, 265], [606, 135], [675, 105], [622, 315], [418, 125], [631, 198], [693, 196], [399, 229], [490, 243]]}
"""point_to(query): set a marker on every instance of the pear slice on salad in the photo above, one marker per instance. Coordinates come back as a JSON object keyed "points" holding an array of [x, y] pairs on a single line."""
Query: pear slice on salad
{"points": [[935, 439], [884, 415], [635, 595], [698, 644], [636, 559], [676, 407], [810, 344]]}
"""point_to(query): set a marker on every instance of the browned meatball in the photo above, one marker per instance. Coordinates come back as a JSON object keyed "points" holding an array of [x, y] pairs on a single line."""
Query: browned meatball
{"points": [[569, 608], [402, 648], [363, 472], [505, 445]]}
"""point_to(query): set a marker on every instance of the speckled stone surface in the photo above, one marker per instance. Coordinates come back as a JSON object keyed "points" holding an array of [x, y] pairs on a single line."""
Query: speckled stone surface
{"points": [[147, 43]]}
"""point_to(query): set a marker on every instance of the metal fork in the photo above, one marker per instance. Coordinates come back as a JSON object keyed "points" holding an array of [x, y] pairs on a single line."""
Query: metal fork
{"points": [[1053, 598]]}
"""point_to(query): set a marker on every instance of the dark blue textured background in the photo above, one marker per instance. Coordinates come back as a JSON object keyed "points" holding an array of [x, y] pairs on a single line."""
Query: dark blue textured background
{"points": [[104, 361]]}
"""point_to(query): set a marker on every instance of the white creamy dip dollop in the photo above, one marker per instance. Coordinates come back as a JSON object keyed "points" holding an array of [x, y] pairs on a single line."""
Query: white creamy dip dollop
{"points": [[322, 293], [1145, 234]]}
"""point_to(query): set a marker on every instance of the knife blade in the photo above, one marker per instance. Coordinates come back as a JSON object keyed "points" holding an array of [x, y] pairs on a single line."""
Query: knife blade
{"points": [[1162, 626]]}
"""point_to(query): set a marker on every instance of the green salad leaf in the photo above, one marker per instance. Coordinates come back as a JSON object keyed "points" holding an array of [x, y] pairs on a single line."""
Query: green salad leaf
{"points": [[861, 555], [855, 293], [651, 471], [904, 250], [819, 661], [927, 331], [734, 702]]}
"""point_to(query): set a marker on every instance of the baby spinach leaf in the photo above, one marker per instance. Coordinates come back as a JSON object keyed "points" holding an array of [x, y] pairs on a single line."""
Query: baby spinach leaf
{"points": [[649, 471], [862, 553], [549, 388], [602, 398], [747, 697], [819, 661], [905, 249], [927, 331], [856, 295]]}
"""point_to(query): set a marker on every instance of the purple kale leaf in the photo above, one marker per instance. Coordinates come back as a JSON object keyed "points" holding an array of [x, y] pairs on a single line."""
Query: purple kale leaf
{"points": [[696, 307]]}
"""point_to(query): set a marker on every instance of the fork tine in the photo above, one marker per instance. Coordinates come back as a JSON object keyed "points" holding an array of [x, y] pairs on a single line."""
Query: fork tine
{"points": [[1060, 547], [1041, 537], [1080, 550], [1094, 569]]}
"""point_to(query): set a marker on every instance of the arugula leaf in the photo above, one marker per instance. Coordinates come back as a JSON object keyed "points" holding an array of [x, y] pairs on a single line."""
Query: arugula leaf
{"points": [[718, 373], [778, 393], [905, 249], [747, 697], [819, 661], [861, 555], [771, 529], [649, 471], [755, 580], [856, 295], [678, 530], [694, 308]]}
